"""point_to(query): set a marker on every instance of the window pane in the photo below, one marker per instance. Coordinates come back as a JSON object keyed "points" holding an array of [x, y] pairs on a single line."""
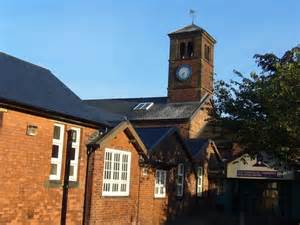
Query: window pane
{"points": [[115, 187], [123, 187], [180, 180], [72, 154], [71, 171], [55, 150], [56, 132], [74, 136], [161, 190], [53, 169]]}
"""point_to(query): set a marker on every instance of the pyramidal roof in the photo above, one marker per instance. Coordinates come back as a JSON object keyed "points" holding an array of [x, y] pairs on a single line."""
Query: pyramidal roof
{"points": [[190, 29], [186, 29]]}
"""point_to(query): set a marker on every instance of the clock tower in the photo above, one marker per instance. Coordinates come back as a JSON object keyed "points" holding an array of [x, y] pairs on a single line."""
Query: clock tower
{"points": [[191, 64]]}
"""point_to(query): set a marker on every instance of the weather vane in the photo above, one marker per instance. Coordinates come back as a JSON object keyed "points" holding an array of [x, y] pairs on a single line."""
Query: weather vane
{"points": [[192, 15]]}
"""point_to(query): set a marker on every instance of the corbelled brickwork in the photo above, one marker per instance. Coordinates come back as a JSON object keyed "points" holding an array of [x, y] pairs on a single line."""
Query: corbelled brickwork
{"points": [[26, 194]]}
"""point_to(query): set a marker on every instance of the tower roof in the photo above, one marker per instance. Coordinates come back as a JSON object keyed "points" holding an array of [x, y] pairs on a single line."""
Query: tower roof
{"points": [[187, 29], [191, 29]]}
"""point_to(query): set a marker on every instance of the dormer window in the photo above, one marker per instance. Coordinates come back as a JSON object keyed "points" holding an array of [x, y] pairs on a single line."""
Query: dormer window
{"points": [[182, 50], [143, 106], [190, 49]]}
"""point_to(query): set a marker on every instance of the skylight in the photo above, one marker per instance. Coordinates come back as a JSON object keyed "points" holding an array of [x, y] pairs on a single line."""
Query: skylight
{"points": [[143, 106]]}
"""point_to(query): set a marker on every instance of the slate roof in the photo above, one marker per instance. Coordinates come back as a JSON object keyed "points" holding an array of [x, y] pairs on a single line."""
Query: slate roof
{"points": [[195, 146], [151, 136], [191, 28], [161, 110], [28, 85]]}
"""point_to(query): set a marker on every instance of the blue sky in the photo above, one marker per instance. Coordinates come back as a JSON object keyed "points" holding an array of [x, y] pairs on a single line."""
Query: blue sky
{"points": [[104, 49]]}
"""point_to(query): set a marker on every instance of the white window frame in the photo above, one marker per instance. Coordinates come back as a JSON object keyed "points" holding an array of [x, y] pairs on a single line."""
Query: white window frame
{"points": [[60, 143], [180, 180], [160, 184], [143, 106], [76, 146], [199, 181], [114, 170]]}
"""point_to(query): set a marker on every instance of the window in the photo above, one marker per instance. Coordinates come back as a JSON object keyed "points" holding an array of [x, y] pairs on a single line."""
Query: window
{"points": [[190, 49], [116, 173], [143, 106], [199, 181], [160, 184], [180, 180], [182, 50], [57, 149], [74, 155], [207, 52]]}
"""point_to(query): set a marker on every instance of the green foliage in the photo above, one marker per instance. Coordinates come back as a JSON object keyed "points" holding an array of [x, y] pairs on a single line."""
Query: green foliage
{"points": [[262, 110]]}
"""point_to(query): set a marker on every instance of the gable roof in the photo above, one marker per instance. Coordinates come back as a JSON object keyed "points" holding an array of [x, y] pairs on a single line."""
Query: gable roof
{"points": [[196, 146], [100, 138], [152, 136], [161, 109], [28, 85]]}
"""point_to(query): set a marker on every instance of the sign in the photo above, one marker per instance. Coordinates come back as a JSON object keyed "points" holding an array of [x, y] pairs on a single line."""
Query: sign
{"points": [[256, 173]]}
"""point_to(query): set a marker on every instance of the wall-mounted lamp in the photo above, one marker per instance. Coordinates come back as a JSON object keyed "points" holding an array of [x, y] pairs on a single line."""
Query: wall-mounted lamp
{"points": [[31, 130]]}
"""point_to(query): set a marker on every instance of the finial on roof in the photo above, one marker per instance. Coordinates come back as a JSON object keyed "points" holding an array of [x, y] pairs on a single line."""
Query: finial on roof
{"points": [[192, 15]]}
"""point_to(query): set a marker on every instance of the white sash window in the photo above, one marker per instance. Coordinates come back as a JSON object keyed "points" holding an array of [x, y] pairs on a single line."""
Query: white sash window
{"points": [[180, 180], [74, 155], [116, 173], [57, 149], [199, 181], [160, 184]]}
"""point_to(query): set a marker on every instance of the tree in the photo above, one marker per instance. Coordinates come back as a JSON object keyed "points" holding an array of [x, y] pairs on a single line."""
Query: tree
{"points": [[262, 110]]}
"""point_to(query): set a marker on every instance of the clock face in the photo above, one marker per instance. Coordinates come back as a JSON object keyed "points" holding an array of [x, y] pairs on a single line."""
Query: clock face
{"points": [[183, 72]]}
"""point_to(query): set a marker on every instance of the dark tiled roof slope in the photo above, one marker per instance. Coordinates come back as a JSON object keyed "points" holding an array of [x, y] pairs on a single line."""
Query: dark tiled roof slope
{"points": [[189, 29], [195, 146], [186, 29], [161, 110], [151, 136], [32, 86]]}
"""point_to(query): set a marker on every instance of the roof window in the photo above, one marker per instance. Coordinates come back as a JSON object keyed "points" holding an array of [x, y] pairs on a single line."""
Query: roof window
{"points": [[143, 106]]}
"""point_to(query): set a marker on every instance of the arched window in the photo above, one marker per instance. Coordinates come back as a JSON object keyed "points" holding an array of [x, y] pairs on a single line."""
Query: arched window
{"points": [[190, 49], [182, 50]]}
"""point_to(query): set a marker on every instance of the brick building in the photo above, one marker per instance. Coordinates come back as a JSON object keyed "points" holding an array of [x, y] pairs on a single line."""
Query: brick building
{"points": [[36, 111], [188, 104], [65, 157]]}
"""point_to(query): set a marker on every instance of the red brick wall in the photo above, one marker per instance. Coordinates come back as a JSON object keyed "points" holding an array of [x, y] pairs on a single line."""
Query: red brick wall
{"points": [[153, 211], [26, 196], [114, 210], [201, 79]]}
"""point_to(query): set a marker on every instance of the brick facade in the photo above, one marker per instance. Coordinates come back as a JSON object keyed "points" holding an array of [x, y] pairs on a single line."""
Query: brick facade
{"points": [[201, 80], [159, 210], [26, 195], [114, 210]]}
